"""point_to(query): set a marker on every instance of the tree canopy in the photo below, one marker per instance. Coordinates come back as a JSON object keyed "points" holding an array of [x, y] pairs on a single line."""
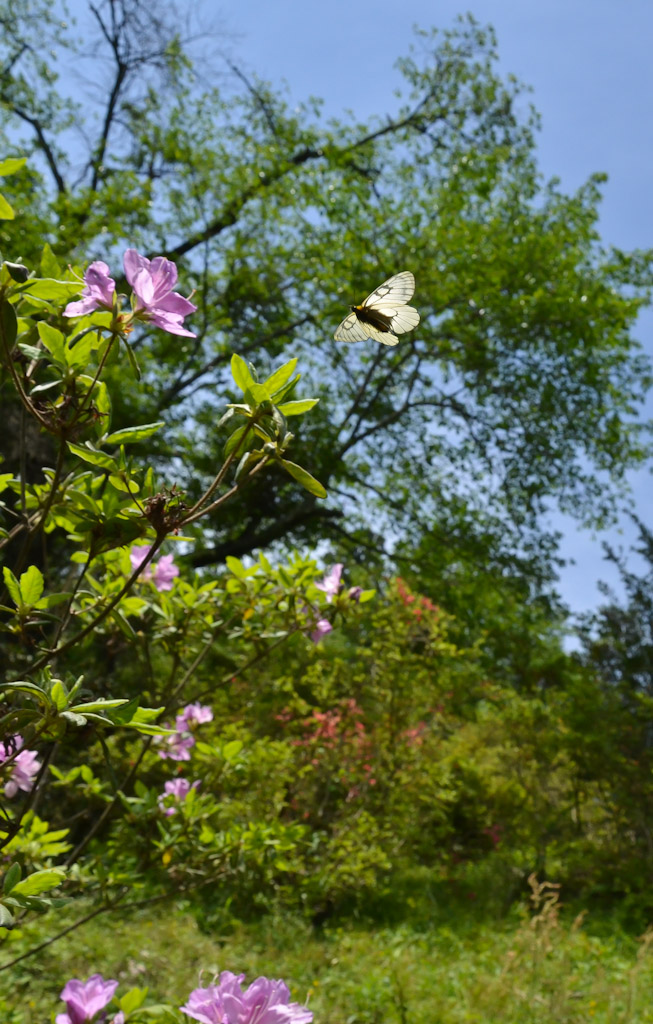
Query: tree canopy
{"points": [[518, 391]]}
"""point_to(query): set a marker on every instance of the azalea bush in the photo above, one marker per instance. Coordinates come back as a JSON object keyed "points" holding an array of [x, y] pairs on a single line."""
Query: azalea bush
{"points": [[112, 649]]}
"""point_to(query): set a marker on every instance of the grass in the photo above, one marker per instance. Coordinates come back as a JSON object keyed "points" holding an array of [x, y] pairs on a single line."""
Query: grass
{"points": [[536, 967]]}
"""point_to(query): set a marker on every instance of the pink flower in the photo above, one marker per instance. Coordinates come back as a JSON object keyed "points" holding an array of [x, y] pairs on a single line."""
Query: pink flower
{"points": [[161, 573], [176, 747], [322, 627], [177, 788], [264, 1002], [355, 594], [84, 999], [165, 571], [24, 768], [193, 714], [152, 282], [331, 583], [98, 292]]}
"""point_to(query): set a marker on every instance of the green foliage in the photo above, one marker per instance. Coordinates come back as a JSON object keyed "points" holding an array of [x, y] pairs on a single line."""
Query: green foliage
{"points": [[523, 370], [250, 739]]}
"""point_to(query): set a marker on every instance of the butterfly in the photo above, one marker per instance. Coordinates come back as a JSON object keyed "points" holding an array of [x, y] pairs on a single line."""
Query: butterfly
{"points": [[383, 314]]}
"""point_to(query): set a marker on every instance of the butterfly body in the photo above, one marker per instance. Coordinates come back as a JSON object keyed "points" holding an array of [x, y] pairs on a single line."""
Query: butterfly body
{"points": [[383, 314], [372, 316]]}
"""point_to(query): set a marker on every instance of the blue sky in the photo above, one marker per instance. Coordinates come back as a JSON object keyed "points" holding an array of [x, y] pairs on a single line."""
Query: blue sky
{"points": [[589, 65]]}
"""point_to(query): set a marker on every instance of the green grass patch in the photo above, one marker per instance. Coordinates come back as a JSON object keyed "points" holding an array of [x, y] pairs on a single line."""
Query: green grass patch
{"points": [[542, 968]]}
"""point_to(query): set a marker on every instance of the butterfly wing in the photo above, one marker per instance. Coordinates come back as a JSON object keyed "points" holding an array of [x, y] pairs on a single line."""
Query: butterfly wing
{"points": [[353, 329], [396, 291], [402, 318]]}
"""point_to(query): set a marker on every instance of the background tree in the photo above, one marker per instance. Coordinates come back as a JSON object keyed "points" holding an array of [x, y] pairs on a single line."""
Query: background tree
{"points": [[518, 389]]}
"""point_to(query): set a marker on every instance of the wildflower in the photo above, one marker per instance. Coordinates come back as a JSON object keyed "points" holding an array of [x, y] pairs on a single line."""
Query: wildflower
{"points": [[193, 714], [264, 1002], [98, 293], [176, 746], [84, 999], [331, 583], [24, 767], [161, 574], [322, 627], [354, 594], [152, 282], [177, 788], [165, 571]]}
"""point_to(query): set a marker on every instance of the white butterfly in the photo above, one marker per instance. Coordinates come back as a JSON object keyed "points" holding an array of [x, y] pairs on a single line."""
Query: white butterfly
{"points": [[383, 314]]}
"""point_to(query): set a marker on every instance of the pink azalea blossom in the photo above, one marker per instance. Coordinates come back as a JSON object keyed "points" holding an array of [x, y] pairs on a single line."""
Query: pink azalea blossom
{"points": [[84, 999], [176, 747], [265, 1002], [191, 715], [152, 282], [322, 627], [161, 573], [24, 768], [165, 571], [331, 583], [178, 789], [98, 292]]}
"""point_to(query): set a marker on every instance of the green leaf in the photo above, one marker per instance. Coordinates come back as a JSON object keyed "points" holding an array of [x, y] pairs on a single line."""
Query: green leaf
{"points": [[38, 882], [49, 265], [6, 918], [276, 380], [102, 401], [234, 440], [8, 323], [256, 394], [31, 351], [26, 687], [132, 1000], [240, 373], [31, 585], [297, 408], [12, 586], [11, 165], [58, 695], [90, 454], [132, 434], [11, 878], [249, 460], [79, 355], [6, 211], [40, 388], [99, 705], [236, 567], [52, 600], [53, 340], [124, 484], [231, 750], [53, 291], [72, 716], [303, 477]]}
